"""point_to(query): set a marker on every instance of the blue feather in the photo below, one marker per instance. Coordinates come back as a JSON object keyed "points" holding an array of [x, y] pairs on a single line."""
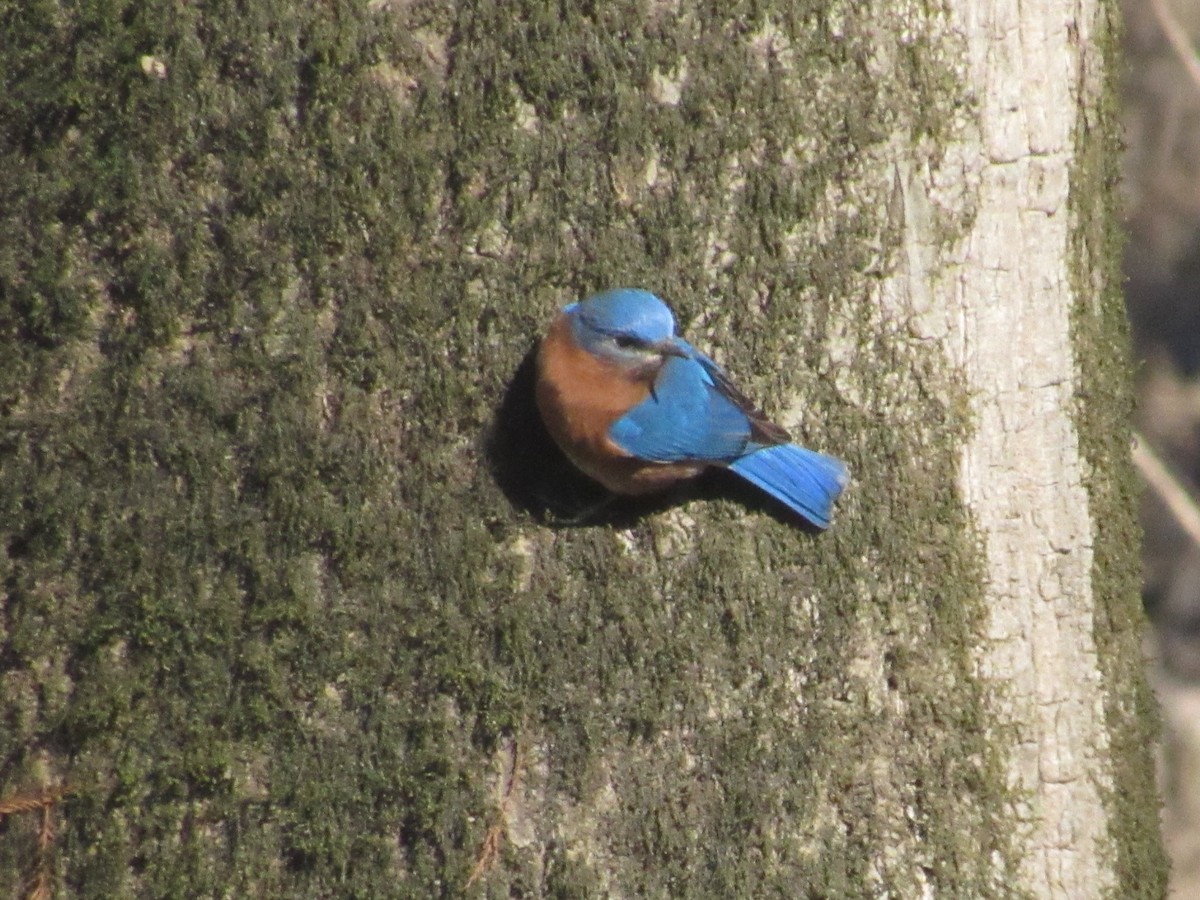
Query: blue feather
{"points": [[803, 479], [684, 418]]}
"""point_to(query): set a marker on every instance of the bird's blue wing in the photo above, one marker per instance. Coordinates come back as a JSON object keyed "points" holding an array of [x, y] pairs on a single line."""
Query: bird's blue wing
{"points": [[686, 417], [762, 430]]}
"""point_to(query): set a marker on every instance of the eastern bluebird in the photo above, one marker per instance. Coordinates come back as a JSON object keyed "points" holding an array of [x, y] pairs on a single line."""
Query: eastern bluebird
{"points": [[638, 409]]}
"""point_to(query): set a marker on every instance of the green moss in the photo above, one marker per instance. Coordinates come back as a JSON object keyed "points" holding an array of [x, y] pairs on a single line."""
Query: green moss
{"points": [[1103, 417], [263, 607]]}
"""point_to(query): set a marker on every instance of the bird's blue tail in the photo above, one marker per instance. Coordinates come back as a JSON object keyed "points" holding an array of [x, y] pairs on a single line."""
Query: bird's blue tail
{"points": [[805, 480]]}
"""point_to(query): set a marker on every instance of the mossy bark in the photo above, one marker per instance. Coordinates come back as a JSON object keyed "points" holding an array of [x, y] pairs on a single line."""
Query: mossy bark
{"points": [[280, 607]]}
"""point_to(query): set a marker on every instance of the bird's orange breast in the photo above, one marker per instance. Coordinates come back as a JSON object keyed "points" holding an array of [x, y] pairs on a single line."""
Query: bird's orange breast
{"points": [[580, 396]]}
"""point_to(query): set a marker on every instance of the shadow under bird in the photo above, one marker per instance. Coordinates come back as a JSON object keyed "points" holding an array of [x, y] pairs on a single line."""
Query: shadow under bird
{"points": [[637, 408]]}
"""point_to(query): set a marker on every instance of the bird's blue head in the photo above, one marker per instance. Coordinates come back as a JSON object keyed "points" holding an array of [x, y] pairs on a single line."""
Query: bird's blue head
{"points": [[628, 326]]}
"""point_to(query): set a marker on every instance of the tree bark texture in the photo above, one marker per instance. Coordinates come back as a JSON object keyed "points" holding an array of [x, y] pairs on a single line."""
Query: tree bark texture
{"points": [[288, 606]]}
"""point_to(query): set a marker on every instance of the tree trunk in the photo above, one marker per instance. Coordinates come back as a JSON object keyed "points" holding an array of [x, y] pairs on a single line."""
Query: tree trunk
{"points": [[285, 610]]}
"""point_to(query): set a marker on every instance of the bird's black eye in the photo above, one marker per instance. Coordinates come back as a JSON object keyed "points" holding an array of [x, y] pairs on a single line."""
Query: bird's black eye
{"points": [[627, 342]]}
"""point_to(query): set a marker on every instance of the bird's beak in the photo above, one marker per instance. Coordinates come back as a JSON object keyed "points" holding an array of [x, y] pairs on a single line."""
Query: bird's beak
{"points": [[672, 347]]}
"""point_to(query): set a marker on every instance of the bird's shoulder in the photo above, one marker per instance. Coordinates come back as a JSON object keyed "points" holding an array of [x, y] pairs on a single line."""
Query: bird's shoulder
{"points": [[701, 373]]}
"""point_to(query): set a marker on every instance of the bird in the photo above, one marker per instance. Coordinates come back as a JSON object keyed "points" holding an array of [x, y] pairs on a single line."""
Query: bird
{"points": [[638, 409]]}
